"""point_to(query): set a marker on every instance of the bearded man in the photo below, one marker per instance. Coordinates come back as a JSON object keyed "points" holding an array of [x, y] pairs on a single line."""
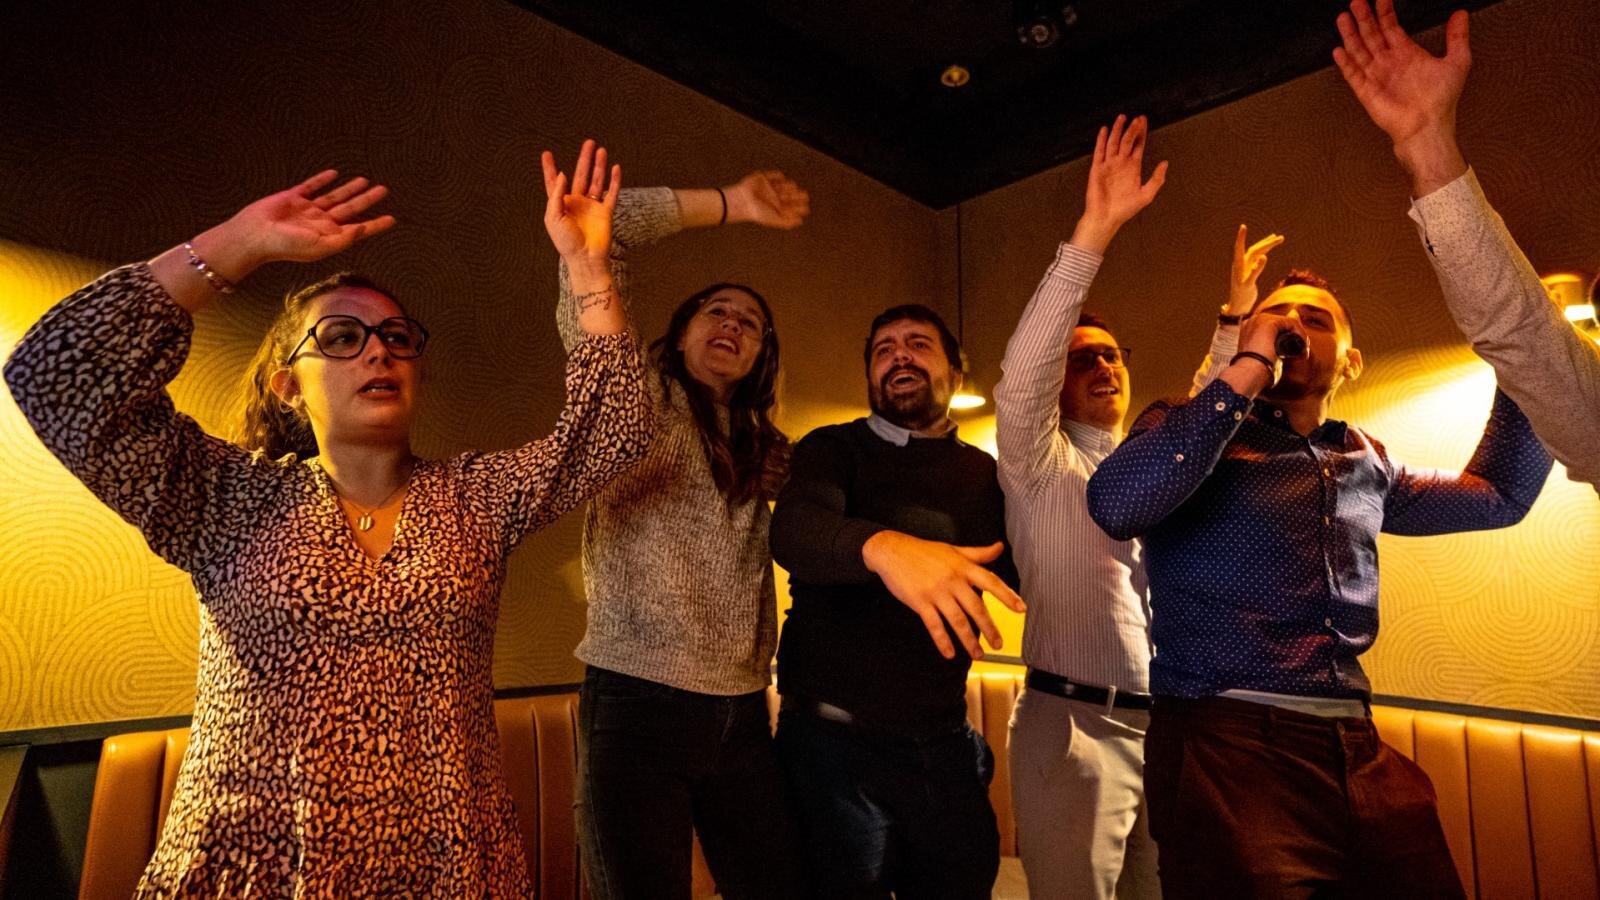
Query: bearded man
{"points": [[891, 528]]}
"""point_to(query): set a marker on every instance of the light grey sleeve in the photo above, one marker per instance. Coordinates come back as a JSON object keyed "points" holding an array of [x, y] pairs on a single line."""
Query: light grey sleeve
{"points": [[1496, 299]]}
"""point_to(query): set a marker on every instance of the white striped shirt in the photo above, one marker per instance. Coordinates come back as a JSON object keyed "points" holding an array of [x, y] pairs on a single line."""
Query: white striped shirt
{"points": [[1088, 601], [1088, 607]]}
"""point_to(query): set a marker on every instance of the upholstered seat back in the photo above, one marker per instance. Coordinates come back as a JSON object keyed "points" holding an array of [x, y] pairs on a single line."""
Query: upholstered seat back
{"points": [[1520, 803]]}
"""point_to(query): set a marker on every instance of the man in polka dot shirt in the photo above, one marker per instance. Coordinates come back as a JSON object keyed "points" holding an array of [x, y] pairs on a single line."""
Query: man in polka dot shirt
{"points": [[1259, 517]]}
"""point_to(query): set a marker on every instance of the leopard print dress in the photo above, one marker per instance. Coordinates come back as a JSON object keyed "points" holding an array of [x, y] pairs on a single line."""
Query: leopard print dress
{"points": [[343, 740]]}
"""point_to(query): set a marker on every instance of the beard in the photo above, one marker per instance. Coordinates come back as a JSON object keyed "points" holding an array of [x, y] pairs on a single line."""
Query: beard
{"points": [[1304, 382], [910, 409]]}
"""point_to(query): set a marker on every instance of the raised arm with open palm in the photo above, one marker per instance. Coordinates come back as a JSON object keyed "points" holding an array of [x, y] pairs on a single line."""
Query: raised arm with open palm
{"points": [[1407, 91]]}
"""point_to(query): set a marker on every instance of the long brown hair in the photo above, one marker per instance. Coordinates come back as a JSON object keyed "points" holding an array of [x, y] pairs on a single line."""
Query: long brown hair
{"points": [[750, 460], [269, 424]]}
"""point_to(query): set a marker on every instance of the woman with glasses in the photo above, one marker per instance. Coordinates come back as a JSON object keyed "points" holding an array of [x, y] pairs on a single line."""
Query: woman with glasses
{"points": [[673, 726], [343, 739]]}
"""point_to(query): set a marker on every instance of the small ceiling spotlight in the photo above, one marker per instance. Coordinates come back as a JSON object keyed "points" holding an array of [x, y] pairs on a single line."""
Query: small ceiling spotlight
{"points": [[1040, 23], [954, 76]]}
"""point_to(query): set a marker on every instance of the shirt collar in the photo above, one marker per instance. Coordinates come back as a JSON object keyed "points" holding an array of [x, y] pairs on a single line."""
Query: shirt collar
{"points": [[1096, 441], [898, 436], [1331, 431]]}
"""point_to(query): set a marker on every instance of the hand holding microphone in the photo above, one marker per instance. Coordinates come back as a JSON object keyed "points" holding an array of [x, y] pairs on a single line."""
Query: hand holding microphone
{"points": [[1266, 340]]}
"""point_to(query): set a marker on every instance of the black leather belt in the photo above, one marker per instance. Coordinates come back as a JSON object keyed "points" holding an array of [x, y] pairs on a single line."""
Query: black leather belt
{"points": [[1040, 680]]}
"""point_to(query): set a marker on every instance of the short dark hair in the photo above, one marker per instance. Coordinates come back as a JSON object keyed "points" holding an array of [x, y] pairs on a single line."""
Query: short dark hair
{"points": [[1310, 278], [1087, 319], [914, 312]]}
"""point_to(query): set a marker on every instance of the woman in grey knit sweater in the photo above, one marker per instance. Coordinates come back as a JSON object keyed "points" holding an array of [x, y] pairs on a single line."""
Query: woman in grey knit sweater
{"points": [[673, 730]]}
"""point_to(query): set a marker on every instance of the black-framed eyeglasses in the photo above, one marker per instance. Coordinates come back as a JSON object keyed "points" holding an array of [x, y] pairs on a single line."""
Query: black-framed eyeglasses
{"points": [[720, 312], [1084, 360], [344, 337]]}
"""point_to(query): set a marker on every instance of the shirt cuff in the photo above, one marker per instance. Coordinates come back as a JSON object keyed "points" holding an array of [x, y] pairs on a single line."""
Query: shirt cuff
{"points": [[1442, 215], [1224, 343], [1075, 264], [1221, 402]]}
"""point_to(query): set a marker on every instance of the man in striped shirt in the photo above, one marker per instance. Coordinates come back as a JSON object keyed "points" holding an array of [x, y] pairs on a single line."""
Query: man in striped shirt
{"points": [[1077, 735]]}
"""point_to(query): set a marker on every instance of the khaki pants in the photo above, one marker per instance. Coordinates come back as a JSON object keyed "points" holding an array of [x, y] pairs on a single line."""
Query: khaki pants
{"points": [[1077, 786]]}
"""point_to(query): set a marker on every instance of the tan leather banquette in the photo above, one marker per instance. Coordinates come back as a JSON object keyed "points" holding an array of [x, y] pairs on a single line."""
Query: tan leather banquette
{"points": [[1520, 803]]}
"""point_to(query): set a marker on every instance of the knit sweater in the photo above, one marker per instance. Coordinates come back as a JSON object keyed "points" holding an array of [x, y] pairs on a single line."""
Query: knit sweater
{"points": [[680, 583]]}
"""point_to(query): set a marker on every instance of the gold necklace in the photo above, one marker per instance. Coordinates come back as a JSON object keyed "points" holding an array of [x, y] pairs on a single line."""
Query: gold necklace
{"points": [[364, 522]]}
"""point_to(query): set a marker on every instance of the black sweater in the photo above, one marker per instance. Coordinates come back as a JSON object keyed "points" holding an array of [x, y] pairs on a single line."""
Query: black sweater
{"points": [[848, 641]]}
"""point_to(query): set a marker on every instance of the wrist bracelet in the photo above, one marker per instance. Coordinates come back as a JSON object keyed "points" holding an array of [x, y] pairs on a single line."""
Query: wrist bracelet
{"points": [[1272, 367], [724, 219], [1225, 319], [218, 283]]}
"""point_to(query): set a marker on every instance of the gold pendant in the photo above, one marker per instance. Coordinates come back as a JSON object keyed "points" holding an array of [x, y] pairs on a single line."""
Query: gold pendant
{"points": [[365, 522]]}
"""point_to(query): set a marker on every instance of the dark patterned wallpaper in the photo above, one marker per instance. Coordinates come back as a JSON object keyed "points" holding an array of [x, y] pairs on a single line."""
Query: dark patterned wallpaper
{"points": [[129, 127], [1507, 618]]}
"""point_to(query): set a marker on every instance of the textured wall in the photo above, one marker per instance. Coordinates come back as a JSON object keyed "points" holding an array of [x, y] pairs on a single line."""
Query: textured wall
{"points": [[129, 127], [1508, 618]]}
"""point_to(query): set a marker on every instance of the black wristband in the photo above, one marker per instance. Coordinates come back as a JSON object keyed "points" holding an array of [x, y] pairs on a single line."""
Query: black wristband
{"points": [[724, 219], [1225, 319], [1272, 367]]}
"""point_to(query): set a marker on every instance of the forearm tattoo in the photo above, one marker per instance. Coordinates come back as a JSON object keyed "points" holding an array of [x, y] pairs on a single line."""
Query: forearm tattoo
{"points": [[600, 299]]}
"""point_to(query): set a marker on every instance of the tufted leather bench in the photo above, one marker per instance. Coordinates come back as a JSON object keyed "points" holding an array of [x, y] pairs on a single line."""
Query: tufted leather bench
{"points": [[1520, 803]]}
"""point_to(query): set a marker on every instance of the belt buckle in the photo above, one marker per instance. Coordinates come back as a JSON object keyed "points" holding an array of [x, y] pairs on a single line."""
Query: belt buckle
{"points": [[833, 713]]}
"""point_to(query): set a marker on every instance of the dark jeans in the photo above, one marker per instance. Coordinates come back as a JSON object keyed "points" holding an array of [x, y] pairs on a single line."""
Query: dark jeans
{"points": [[1248, 800], [881, 813], [655, 762]]}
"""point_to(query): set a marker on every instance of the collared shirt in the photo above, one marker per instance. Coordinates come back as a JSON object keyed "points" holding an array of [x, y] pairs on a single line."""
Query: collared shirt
{"points": [[899, 436], [1261, 545], [1498, 302], [1088, 619]]}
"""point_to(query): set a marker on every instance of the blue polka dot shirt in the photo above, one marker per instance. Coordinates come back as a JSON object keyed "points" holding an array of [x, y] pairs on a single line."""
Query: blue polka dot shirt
{"points": [[1261, 545]]}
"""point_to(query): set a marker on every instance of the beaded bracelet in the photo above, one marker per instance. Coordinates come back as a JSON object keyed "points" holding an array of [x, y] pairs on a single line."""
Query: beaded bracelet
{"points": [[218, 283]]}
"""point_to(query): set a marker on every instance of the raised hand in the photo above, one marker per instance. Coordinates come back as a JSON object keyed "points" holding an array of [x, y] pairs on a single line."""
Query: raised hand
{"points": [[1117, 190], [942, 584], [1407, 91], [770, 199], [578, 216], [1248, 263], [306, 223]]}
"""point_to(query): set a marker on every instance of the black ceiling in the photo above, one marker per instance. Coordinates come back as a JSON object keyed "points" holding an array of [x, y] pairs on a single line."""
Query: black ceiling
{"points": [[860, 81]]}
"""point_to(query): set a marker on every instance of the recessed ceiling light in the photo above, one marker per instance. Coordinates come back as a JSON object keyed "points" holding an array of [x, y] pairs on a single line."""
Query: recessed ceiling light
{"points": [[954, 76]]}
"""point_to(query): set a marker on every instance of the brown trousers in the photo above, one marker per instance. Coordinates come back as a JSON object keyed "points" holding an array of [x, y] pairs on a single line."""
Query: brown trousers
{"points": [[1249, 800]]}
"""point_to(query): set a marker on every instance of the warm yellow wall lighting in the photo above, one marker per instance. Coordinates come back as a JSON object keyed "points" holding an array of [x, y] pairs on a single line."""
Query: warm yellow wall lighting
{"points": [[1573, 294], [965, 399], [1506, 618], [93, 627]]}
